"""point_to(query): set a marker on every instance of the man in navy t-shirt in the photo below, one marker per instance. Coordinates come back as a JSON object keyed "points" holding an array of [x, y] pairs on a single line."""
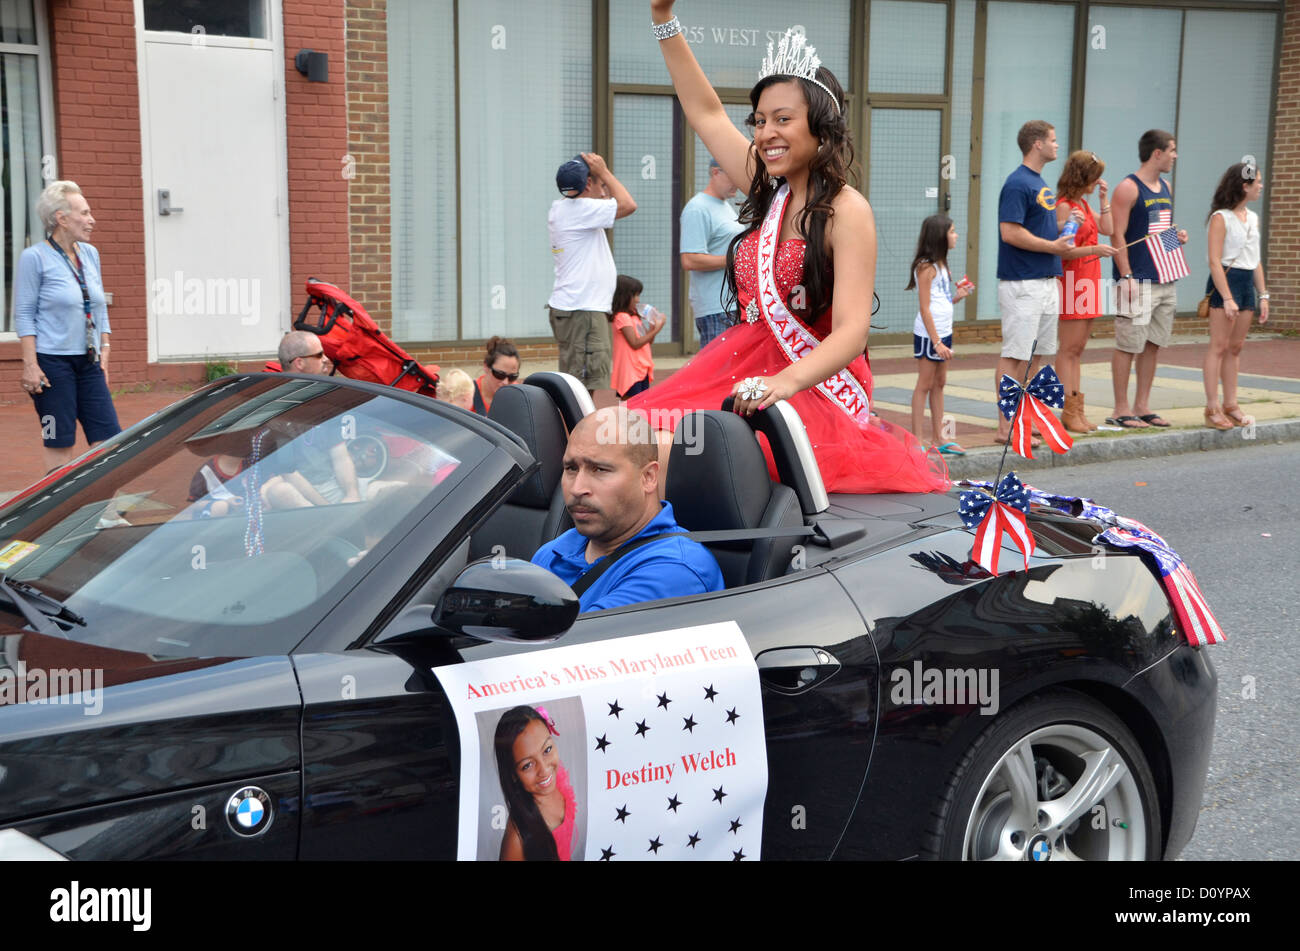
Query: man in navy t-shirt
{"points": [[611, 489], [1144, 311], [1029, 259]]}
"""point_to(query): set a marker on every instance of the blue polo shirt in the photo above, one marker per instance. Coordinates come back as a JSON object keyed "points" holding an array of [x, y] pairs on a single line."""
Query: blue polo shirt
{"points": [[1029, 201], [668, 568]]}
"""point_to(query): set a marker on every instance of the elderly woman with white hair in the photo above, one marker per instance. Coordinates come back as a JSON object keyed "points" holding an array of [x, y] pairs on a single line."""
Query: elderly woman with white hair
{"points": [[62, 323]]}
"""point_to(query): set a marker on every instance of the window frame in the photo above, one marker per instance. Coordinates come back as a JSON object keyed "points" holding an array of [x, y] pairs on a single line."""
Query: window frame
{"points": [[45, 100]]}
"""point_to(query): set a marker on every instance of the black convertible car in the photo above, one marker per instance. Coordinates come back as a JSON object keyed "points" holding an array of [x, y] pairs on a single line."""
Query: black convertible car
{"points": [[194, 665]]}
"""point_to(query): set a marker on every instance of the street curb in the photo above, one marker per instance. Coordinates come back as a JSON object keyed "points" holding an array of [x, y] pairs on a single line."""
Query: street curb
{"points": [[982, 463]]}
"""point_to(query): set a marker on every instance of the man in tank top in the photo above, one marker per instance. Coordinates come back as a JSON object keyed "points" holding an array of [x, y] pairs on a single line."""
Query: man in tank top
{"points": [[1144, 307]]}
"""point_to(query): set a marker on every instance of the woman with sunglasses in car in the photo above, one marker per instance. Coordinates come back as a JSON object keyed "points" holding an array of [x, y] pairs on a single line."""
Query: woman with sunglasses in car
{"points": [[502, 363]]}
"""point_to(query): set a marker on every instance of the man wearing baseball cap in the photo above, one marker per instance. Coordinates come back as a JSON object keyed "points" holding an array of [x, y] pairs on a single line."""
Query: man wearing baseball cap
{"points": [[584, 266]]}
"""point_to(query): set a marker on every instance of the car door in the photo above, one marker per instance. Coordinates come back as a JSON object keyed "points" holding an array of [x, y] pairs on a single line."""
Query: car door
{"points": [[818, 679], [382, 757]]}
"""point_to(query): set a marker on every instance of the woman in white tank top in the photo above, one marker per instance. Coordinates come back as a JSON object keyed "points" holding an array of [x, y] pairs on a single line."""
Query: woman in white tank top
{"points": [[932, 329], [1236, 288]]}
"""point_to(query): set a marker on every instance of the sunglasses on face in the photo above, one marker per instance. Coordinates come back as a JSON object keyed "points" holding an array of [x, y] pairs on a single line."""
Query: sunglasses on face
{"points": [[318, 355], [503, 375]]}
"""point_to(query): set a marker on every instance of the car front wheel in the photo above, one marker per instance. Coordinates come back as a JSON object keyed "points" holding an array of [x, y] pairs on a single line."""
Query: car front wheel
{"points": [[1057, 778]]}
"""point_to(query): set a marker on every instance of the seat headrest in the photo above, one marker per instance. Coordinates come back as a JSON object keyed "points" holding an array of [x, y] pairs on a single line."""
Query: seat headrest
{"points": [[567, 393], [529, 413], [720, 480]]}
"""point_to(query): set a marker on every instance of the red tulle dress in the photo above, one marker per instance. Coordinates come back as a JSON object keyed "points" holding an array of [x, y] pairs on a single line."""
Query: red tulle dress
{"points": [[878, 457]]}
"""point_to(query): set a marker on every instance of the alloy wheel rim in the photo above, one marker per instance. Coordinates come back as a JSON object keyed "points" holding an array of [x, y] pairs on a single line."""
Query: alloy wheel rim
{"points": [[1061, 793]]}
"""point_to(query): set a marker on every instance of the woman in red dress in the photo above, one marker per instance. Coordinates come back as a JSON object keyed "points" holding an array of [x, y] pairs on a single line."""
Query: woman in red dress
{"points": [[801, 217], [1081, 282]]}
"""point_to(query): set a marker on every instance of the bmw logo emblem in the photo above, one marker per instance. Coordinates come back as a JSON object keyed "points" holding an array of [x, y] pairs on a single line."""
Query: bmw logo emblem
{"points": [[1040, 850], [249, 811]]}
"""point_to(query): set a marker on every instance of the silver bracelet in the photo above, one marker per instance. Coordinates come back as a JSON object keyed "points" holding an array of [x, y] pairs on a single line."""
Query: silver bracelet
{"points": [[664, 30]]}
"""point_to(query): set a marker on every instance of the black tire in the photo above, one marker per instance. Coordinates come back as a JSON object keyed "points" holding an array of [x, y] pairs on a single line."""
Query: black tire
{"points": [[1082, 756]]}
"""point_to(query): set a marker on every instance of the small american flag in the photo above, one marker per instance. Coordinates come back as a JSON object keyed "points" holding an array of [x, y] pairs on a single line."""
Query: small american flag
{"points": [[1195, 619], [1166, 250]]}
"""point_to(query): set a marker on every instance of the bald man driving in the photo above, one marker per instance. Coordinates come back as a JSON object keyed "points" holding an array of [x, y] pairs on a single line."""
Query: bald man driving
{"points": [[611, 489]]}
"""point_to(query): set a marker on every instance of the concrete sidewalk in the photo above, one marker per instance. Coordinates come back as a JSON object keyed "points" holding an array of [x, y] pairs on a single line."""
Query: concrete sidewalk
{"points": [[1270, 392]]}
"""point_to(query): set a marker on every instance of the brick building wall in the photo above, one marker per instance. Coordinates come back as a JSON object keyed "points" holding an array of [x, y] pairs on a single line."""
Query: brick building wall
{"points": [[368, 191], [317, 130], [97, 127], [1282, 185]]}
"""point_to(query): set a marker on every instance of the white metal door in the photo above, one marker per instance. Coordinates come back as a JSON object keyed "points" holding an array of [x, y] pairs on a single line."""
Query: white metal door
{"points": [[214, 197]]}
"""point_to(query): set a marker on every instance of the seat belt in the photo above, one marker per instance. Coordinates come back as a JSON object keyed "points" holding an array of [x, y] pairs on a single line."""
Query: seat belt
{"points": [[721, 535]]}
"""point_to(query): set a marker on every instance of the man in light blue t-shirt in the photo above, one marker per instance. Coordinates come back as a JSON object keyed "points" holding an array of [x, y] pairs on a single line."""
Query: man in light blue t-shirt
{"points": [[708, 225]]}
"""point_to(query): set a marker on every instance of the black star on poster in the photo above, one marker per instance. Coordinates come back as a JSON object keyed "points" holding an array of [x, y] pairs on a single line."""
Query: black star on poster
{"points": [[662, 785]]}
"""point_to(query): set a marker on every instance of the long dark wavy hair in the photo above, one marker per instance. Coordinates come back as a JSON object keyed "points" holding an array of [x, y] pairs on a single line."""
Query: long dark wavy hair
{"points": [[827, 174], [931, 246], [539, 844], [625, 288], [1231, 190]]}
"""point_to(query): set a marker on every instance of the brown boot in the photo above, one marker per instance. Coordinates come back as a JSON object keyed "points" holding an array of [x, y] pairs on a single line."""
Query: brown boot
{"points": [[1072, 415], [1092, 427]]}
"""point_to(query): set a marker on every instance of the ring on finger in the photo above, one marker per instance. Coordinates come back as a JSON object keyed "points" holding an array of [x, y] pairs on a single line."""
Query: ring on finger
{"points": [[752, 389]]}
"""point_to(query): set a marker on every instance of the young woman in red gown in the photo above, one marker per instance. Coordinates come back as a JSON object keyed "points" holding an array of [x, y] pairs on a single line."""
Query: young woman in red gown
{"points": [[801, 220]]}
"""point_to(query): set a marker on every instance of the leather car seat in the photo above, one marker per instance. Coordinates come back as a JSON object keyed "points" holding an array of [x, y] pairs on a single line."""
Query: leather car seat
{"points": [[723, 483], [534, 513]]}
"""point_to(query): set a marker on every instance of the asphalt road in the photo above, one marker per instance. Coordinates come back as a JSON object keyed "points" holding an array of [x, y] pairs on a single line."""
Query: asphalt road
{"points": [[1234, 517]]}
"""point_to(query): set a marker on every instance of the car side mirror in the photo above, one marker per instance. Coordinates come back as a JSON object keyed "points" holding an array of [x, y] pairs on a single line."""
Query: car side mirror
{"points": [[506, 599]]}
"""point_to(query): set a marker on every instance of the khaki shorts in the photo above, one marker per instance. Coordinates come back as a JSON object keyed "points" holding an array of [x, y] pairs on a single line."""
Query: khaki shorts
{"points": [[1029, 313], [1153, 321], [585, 345]]}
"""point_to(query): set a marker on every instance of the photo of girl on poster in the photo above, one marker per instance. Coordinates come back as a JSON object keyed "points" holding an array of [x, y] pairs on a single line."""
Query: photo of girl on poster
{"points": [[540, 801]]}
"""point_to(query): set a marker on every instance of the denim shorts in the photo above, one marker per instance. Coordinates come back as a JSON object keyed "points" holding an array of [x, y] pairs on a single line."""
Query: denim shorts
{"points": [[1241, 283], [77, 391], [710, 326], [921, 347]]}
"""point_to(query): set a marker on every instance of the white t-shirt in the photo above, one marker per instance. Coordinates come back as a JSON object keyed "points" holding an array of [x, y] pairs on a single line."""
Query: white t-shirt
{"points": [[1240, 241], [940, 305], [584, 265]]}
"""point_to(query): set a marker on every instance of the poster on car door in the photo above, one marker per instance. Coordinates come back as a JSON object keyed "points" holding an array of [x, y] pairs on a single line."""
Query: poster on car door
{"points": [[636, 748]]}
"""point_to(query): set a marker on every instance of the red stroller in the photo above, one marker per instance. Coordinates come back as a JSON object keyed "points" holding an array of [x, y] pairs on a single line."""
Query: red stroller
{"points": [[355, 344]]}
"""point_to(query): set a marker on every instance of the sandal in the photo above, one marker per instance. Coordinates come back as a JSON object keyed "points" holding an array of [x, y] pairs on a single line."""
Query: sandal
{"points": [[951, 449], [1214, 419], [1154, 419], [1235, 415], [1127, 422]]}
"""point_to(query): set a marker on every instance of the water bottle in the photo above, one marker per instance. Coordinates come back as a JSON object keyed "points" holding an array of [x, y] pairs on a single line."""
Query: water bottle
{"points": [[647, 317], [1070, 230]]}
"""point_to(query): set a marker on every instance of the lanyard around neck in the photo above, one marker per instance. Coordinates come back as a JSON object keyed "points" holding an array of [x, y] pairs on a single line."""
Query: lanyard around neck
{"points": [[78, 271]]}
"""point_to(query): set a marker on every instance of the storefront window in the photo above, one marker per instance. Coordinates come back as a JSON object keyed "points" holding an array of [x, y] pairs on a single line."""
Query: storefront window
{"points": [[24, 153], [1028, 61], [1227, 85], [908, 47], [525, 106], [729, 39], [421, 124]]}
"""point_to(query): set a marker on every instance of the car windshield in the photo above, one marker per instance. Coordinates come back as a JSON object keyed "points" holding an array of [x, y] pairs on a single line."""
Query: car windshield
{"points": [[230, 523]]}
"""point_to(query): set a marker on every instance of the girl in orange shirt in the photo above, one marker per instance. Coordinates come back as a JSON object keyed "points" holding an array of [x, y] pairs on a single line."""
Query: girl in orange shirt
{"points": [[634, 363]]}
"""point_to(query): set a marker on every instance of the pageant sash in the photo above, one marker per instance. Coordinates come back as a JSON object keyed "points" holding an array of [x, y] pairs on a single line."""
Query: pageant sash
{"points": [[796, 341]]}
